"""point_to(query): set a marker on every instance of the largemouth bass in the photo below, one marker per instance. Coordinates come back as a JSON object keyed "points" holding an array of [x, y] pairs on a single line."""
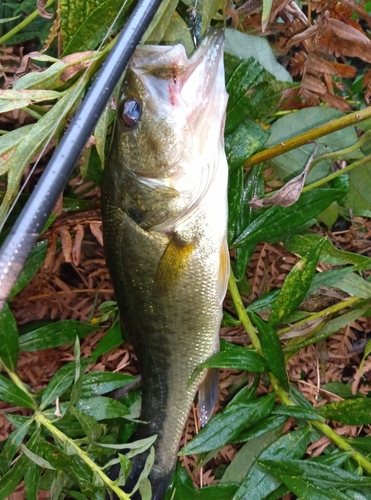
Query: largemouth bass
{"points": [[164, 222]]}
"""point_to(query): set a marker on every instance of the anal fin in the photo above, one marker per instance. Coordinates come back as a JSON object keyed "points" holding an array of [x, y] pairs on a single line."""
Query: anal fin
{"points": [[208, 395]]}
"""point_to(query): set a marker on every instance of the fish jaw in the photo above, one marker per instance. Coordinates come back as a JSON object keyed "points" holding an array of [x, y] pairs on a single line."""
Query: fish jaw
{"points": [[164, 222]]}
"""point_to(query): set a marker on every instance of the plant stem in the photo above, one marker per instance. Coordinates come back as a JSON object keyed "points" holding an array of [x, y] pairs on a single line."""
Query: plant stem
{"points": [[41, 419], [240, 308], [330, 177], [311, 135], [330, 433], [23, 24], [325, 312], [18, 382]]}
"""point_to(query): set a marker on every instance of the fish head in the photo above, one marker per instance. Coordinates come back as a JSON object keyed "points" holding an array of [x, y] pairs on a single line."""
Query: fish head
{"points": [[171, 107]]}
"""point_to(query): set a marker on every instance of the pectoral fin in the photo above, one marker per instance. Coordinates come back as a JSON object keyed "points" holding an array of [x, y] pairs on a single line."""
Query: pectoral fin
{"points": [[172, 263], [224, 269], [207, 395]]}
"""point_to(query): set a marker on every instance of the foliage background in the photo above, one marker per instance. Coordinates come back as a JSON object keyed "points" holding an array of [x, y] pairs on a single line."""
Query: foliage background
{"points": [[294, 411]]}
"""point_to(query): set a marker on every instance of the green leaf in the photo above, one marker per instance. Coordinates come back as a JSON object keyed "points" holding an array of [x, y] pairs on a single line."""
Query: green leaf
{"points": [[243, 142], [224, 426], [238, 358], [33, 263], [268, 424], [32, 143], [41, 462], [9, 347], [317, 474], [329, 254], [332, 326], [12, 394], [245, 458], [11, 446], [102, 408], [297, 412], [95, 383], [235, 193], [178, 32], [89, 425], [275, 224], [54, 335], [183, 489], [296, 285], [355, 285], [258, 483], [254, 186], [13, 477], [89, 25], [355, 411], [358, 199], [292, 163], [244, 46], [156, 30], [112, 339], [60, 382], [272, 351], [253, 93]]}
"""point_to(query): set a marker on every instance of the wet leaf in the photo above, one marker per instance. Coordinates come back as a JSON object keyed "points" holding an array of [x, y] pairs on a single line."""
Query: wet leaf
{"points": [[258, 483], [356, 411], [235, 192], [60, 382], [296, 285], [12, 394], [245, 458], [238, 358], [267, 424], [54, 335], [297, 412], [182, 488], [112, 339], [35, 259], [102, 408], [275, 224], [95, 383], [254, 186], [12, 444], [317, 474], [85, 25], [329, 254], [9, 347], [243, 142], [224, 426], [272, 351]]}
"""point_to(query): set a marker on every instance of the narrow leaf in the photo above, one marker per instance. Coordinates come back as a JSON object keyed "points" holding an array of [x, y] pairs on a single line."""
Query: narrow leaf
{"points": [[12, 394], [224, 426], [9, 347], [296, 285], [272, 351]]}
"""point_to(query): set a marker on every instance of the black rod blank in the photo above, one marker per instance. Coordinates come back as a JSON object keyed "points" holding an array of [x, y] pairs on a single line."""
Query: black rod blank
{"points": [[30, 222]]}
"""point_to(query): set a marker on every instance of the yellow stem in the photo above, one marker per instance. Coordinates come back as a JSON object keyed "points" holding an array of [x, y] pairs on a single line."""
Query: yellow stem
{"points": [[240, 308], [23, 24], [330, 433], [311, 135], [41, 419]]}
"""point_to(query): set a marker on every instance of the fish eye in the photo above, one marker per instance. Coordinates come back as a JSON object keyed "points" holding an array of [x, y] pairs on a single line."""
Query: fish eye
{"points": [[130, 112]]}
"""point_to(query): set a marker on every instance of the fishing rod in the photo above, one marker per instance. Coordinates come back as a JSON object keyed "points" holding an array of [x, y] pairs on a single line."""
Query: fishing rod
{"points": [[31, 220]]}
